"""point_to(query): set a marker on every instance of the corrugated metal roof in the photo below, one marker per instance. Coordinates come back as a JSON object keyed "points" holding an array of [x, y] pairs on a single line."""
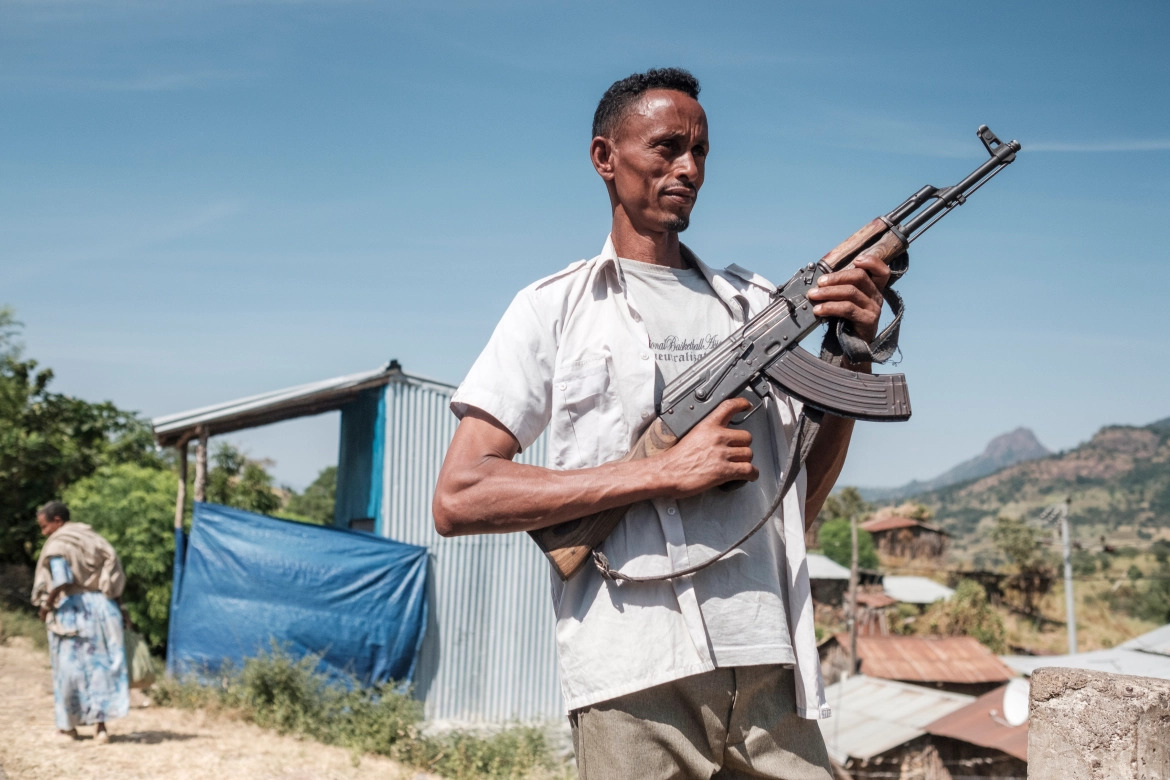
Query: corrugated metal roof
{"points": [[892, 522], [945, 659], [871, 716], [875, 600], [888, 523], [981, 723], [915, 590], [300, 401], [1156, 641], [821, 567], [1116, 661]]}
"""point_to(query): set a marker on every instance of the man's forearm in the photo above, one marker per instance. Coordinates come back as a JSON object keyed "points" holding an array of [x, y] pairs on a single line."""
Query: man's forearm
{"points": [[500, 495], [481, 489]]}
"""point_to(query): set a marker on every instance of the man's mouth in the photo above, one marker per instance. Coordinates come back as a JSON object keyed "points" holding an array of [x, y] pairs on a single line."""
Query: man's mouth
{"points": [[680, 193]]}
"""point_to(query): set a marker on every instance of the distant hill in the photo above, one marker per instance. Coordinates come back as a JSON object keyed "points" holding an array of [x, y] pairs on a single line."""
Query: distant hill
{"points": [[1118, 480], [1002, 451]]}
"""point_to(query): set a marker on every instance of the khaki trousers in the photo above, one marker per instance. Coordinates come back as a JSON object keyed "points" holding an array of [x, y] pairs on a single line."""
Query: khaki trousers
{"points": [[727, 723]]}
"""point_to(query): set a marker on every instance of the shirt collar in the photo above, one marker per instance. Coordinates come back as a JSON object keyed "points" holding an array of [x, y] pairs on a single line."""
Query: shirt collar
{"points": [[736, 301]]}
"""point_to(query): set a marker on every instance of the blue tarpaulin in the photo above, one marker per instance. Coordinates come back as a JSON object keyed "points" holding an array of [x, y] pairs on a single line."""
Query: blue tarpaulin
{"points": [[243, 580]]}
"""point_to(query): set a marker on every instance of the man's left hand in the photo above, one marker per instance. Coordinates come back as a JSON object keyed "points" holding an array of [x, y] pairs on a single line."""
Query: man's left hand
{"points": [[854, 294]]}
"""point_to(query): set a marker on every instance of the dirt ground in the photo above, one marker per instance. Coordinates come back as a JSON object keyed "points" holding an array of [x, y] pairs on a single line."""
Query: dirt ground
{"points": [[153, 741]]}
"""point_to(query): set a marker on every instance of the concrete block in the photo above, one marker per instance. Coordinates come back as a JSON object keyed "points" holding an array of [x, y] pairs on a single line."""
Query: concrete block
{"points": [[1096, 726]]}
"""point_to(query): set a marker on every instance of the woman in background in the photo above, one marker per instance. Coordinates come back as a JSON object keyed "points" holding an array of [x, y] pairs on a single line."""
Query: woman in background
{"points": [[77, 585]]}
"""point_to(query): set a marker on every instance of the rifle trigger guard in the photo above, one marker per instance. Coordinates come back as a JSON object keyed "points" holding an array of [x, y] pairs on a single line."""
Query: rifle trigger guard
{"points": [[761, 387]]}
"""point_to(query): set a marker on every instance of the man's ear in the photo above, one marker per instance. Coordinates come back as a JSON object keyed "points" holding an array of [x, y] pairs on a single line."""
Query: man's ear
{"points": [[601, 152]]}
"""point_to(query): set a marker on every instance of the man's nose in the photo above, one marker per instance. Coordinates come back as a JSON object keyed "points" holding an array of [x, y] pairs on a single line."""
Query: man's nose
{"points": [[687, 167]]}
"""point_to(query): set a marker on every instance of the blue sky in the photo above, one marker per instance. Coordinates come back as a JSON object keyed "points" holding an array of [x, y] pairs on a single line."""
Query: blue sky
{"points": [[202, 201]]}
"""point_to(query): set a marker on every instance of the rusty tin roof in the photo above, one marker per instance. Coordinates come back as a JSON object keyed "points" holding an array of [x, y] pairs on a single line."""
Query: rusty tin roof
{"points": [[957, 659], [981, 723]]}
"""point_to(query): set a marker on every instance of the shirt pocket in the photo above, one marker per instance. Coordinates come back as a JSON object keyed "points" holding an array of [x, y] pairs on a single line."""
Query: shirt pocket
{"points": [[588, 414]]}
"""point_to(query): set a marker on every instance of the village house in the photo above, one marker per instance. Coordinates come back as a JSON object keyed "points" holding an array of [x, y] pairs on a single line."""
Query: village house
{"points": [[900, 538]]}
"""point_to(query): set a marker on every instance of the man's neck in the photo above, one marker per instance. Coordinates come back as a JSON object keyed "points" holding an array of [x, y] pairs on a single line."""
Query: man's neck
{"points": [[658, 248]]}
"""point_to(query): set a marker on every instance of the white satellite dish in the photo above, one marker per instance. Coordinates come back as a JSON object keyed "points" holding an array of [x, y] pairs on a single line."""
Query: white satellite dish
{"points": [[1015, 702]]}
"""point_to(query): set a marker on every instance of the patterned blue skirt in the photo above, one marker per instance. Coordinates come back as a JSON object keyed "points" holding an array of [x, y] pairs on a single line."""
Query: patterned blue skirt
{"points": [[90, 684]]}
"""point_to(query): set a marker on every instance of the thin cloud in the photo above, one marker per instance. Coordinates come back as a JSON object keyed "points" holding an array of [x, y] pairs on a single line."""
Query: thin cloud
{"points": [[168, 82], [1154, 145], [176, 81]]}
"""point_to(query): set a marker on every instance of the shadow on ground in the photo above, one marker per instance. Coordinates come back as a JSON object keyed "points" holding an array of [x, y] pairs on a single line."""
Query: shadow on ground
{"points": [[151, 737]]}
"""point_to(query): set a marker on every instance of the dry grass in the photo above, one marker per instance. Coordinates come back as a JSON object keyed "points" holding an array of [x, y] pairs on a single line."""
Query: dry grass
{"points": [[155, 742], [1098, 625]]}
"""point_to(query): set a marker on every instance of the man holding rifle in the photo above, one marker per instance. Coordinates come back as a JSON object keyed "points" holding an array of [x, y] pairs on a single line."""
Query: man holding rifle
{"points": [[715, 672]]}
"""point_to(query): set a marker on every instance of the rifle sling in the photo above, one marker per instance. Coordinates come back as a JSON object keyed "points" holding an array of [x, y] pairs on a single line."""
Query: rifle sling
{"points": [[839, 343], [806, 432]]}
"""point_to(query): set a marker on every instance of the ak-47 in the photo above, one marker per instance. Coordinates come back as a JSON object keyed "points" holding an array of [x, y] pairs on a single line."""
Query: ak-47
{"points": [[762, 354]]}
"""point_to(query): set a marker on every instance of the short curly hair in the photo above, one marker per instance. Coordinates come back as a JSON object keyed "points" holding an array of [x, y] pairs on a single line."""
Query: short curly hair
{"points": [[54, 510], [622, 94]]}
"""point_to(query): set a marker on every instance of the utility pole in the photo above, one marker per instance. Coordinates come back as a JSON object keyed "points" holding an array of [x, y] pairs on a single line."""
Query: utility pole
{"points": [[853, 585], [1059, 512], [1069, 608]]}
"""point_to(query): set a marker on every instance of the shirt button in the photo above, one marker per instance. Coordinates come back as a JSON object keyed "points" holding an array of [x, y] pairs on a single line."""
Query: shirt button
{"points": [[670, 511], [564, 385], [645, 415], [645, 355]]}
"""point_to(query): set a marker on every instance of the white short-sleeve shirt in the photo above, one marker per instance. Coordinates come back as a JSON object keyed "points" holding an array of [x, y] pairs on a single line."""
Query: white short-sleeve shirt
{"points": [[571, 354]]}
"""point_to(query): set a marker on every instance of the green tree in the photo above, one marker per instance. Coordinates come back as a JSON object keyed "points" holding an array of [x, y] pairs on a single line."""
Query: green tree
{"points": [[317, 502], [837, 544], [846, 504], [1021, 546], [133, 507], [48, 441], [237, 480], [966, 613]]}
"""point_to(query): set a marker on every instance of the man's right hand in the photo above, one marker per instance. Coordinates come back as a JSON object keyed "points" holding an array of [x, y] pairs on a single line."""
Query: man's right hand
{"points": [[712, 453]]}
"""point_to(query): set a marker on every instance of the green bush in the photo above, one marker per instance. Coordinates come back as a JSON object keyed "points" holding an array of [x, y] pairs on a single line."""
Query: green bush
{"points": [[836, 543], [24, 623], [276, 691], [133, 507], [967, 613]]}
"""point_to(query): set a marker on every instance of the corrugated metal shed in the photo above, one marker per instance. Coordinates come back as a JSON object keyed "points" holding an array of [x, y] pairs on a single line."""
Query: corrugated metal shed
{"points": [[871, 716], [489, 653], [1116, 661], [821, 567], [952, 659], [1156, 641], [915, 590]]}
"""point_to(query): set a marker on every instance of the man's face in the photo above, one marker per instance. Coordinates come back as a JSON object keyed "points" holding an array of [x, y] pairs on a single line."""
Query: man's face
{"points": [[48, 527], [660, 150]]}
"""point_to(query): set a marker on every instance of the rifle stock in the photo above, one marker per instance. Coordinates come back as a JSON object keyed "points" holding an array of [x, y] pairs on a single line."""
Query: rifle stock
{"points": [[568, 545]]}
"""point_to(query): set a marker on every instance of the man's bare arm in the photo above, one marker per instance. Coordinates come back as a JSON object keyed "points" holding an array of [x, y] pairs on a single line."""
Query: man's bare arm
{"points": [[854, 294], [482, 490]]}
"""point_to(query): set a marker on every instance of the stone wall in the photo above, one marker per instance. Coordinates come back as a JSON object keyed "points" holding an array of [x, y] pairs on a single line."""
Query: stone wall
{"points": [[1097, 726]]}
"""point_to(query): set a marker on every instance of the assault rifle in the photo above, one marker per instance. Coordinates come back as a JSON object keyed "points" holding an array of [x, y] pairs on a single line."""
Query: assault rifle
{"points": [[762, 355]]}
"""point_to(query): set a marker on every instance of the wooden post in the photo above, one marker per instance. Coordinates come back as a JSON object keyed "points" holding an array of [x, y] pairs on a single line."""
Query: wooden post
{"points": [[201, 466], [181, 499]]}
